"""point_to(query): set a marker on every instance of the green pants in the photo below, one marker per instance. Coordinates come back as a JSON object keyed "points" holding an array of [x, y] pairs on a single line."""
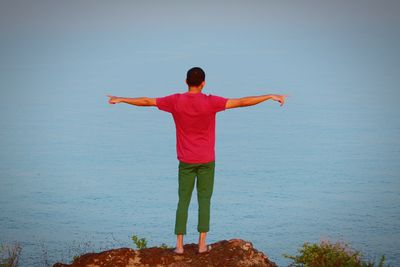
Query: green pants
{"points": [[205, 183]]}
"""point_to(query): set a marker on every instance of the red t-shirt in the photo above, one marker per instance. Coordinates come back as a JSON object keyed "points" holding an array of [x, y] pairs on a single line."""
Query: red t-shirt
{"points": [[194, 117]]}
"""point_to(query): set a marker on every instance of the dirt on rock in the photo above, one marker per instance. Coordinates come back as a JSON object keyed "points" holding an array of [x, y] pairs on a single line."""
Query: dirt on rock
{"points": [[229, 253]]}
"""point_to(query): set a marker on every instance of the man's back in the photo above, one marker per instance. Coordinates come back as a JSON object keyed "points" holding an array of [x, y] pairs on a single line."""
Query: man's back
{"points": [[194, 117]]}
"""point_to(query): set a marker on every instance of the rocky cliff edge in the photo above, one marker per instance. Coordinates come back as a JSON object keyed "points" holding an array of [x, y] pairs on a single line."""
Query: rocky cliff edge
{"points": [[229, 253]]}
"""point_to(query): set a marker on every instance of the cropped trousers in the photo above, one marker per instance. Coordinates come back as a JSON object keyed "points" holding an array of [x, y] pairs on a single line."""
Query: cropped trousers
{"points": [[188, 172]]}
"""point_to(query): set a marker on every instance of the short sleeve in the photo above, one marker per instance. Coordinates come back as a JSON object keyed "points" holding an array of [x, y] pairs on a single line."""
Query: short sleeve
{"points": [[218, 103], [167, 103]]}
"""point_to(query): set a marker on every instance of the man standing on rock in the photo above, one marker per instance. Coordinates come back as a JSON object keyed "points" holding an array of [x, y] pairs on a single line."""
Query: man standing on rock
{"points": [[194, 116]]}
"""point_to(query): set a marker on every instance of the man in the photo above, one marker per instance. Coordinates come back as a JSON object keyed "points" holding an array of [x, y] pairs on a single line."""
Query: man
{"points": [[194, 116]]}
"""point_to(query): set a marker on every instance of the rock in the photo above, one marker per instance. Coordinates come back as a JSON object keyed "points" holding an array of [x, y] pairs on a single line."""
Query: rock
{"points": [[229, 253]]}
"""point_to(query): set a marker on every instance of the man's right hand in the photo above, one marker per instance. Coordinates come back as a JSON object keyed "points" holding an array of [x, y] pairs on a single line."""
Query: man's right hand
{"points": [[279, 98]]}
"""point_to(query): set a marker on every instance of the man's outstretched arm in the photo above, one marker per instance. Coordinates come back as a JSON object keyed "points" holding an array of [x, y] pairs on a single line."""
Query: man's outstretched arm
{"points": [[253, 100], [137, 101]]}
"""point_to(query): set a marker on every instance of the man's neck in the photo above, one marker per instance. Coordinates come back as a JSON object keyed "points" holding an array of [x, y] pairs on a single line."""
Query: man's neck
{"points": [[194, 90]]}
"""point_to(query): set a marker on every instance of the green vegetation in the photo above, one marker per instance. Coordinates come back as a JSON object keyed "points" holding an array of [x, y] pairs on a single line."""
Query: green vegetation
{"points": [[75, 257], [10, 255], [140, 243], [327, 254], [165, 246]]}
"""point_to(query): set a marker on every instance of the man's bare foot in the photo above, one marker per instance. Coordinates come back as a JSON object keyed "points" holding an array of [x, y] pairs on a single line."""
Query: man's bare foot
{"points": [[179, 244], [178, 250], [204, 249], [202, 243]]}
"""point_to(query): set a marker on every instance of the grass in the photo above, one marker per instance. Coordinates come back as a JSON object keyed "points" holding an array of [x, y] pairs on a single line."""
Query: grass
{"points": [[328, 254], [10, 254], [141, 243]]}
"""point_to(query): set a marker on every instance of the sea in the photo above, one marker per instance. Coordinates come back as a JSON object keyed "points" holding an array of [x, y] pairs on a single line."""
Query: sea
{"points": [[78, 174]]}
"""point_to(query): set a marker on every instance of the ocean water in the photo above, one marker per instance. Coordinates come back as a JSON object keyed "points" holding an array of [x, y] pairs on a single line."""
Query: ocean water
{"points": [[82, 171]]}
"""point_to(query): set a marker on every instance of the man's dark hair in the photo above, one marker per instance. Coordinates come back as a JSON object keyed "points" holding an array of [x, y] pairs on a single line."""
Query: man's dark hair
{"points": [[195, 76]]}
